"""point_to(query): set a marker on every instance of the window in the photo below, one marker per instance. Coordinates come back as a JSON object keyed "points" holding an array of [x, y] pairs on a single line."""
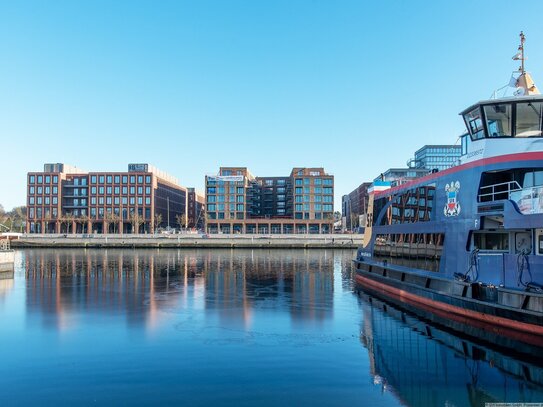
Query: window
{"points": [[299, 190], [318, 207], [148, 190], [132, 190], [318, 198], [31, 200], [47, 179], [140, 179], [108, 190], [529, 117], [306, 198], [328, 198], [328, 181], [125, 190], [298, 198], [101, 179], [55, 179], [117, 179], [117, 190], [327, 207], [132, 200], [116, 200], [212, 207], [32, 179], [93, 179], [140, 190], [239, 207], [318, 190], [55, 200], [125, 179], [39, 200], [140, 200], [298, 181], [31, 190], [211, 198], [132, 179], [109, 179], [306, 181], [298, 215], [46, 200], [147, 179], [124, 200], [40, 179], [147, 200], [328, 190], [101, 190], [299, 207], [101, 200], [474, 124]]}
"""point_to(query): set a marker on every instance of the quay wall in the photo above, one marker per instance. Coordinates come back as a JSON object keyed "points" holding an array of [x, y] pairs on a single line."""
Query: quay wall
{"points": [[190, 241]]}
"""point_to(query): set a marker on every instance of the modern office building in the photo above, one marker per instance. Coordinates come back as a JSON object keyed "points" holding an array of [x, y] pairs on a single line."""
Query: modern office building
{"points": [[239, 202], [64, 199], [436, 157], [354, 207], [399, 176]]}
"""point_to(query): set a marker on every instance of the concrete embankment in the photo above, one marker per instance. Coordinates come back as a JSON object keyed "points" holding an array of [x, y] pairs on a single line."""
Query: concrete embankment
{"points": [[191, 241]]}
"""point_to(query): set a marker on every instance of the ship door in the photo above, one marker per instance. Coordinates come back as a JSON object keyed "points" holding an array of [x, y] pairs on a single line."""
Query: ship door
{"points": [[539, 242]]}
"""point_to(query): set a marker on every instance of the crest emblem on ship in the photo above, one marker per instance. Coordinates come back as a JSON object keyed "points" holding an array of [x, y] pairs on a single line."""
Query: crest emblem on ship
{"points": [[452, 208]]}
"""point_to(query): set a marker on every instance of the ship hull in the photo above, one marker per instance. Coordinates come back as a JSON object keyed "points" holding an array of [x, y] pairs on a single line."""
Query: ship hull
{"points": [[516, 315]]}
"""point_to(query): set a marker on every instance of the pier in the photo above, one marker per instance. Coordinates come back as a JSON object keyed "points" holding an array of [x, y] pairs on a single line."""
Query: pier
{"points": [[343, 241]]}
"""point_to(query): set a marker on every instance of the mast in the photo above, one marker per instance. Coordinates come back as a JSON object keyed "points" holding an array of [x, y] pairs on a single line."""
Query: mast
{"points": [[525, 83]]}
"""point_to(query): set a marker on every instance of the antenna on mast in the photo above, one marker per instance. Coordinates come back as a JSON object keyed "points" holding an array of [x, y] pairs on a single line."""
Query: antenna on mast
{"points": [[524, 83]]}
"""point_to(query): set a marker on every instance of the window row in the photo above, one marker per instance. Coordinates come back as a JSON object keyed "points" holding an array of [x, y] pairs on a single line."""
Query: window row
{"points": [[40, 179], [43, 200], [110, 179], [117, 190], [40, 190]]}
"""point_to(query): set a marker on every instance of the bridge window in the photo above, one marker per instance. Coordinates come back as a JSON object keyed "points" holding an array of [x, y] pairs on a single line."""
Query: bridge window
{"points": [[475, 124], [529, 117], [498, 120]]}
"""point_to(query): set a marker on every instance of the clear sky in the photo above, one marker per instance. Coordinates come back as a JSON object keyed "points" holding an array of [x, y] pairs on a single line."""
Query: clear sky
{"points": [[353, 86]]}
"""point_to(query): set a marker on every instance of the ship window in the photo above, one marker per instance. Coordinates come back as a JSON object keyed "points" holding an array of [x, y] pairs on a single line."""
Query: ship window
{"points": [[529, 116], [475, 124], [491, 241], [498, 120]]}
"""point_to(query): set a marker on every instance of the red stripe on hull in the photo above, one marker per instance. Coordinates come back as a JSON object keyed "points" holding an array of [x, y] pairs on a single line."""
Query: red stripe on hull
{"points": [[528, 333]]}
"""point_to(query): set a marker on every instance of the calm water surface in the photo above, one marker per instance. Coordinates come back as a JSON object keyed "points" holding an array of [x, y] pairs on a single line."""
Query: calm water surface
{"points": [[232, 328]]}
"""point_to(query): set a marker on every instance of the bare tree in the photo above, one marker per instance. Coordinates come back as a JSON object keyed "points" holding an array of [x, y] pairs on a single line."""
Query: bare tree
{"points": [[181, 221], [158, 221], [136, 220]]}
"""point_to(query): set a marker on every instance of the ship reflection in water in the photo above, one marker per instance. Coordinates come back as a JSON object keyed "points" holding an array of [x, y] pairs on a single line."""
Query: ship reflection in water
{"points": [[425, 364]]}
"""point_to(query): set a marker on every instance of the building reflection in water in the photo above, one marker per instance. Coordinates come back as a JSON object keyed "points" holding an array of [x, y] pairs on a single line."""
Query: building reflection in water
{"points": [[148, 285], [6, 283], [426, 366]]}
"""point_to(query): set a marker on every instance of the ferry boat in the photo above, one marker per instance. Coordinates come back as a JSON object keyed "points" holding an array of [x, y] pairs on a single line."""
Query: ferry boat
{"points": [[466, 243]]}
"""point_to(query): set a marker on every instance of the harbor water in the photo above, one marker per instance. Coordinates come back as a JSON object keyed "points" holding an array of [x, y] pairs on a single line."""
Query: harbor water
{"points": [[232, 328]]}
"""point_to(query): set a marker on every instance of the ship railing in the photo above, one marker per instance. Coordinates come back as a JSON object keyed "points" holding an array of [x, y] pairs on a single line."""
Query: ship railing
{"points": [[528, 200], [495, 192]]}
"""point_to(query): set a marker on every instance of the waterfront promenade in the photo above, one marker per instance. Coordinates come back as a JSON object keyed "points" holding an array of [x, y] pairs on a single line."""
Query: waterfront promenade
{"points": [[294, 241]]}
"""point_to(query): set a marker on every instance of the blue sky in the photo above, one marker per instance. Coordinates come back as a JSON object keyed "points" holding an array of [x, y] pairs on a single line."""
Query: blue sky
{"points": [[353, 86]]}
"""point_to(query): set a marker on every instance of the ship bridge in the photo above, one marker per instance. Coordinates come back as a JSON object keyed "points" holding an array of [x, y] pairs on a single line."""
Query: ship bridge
{"points": [[512, 117]]}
